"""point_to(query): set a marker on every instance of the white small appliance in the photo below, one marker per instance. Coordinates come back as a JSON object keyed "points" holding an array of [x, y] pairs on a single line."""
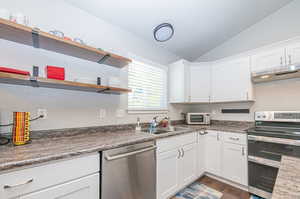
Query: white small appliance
{"points": [[198, 118]]}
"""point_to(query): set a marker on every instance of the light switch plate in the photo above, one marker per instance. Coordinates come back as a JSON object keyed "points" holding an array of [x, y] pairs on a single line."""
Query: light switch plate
{"points": [[102, 114], [120, 113]]}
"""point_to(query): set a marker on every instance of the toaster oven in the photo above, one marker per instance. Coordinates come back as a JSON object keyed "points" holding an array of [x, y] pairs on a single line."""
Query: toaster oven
{"points": [[198, 118]]}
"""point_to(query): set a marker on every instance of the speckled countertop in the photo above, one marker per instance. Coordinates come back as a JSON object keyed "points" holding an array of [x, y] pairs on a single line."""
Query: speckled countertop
{"points": [[51, 145], [287, 184]]}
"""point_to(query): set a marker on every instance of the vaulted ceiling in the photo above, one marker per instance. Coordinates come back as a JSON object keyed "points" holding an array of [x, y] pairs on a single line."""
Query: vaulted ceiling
{"points": [[200, 25]]}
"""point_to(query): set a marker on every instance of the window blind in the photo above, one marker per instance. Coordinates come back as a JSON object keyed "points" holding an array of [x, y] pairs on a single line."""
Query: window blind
{"points": [[148, 84]]}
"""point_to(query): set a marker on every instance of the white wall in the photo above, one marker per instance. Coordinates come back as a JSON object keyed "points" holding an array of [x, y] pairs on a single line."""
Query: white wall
{"points": [[281, 25], [68, 109]]}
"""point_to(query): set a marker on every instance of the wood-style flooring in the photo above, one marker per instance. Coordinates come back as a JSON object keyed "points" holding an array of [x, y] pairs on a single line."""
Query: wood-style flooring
{"points": [[229, 192]]}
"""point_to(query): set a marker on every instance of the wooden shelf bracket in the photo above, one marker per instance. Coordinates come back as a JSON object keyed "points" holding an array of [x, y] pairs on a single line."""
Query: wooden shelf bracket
{"points": [[35, 38], [103, 59], [34, 82]]}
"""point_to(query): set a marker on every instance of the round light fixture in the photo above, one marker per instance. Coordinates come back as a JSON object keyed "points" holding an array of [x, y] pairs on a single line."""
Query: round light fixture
{"points": [[163, 32]]}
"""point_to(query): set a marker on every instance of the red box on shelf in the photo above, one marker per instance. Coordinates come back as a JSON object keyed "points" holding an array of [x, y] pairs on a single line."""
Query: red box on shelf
{"points": [[14, 71], [54, 72]]}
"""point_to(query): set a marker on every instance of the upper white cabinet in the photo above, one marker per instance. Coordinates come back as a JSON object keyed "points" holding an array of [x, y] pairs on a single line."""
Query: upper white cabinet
{"points": [[178, 82], [200, 80], [293, 54], [268, 59], [189, 82], [231, 81]]}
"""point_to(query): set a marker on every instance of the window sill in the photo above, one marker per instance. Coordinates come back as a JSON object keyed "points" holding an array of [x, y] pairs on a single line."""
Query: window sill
{"points": [[163, 111]]}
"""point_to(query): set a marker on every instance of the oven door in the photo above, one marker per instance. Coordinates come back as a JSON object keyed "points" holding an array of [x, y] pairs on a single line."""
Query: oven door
{"points": [[269, 150], [261, 179]]}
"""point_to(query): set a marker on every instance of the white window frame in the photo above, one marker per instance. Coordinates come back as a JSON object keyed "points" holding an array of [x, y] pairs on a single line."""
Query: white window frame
{"points": [[162, 110]]}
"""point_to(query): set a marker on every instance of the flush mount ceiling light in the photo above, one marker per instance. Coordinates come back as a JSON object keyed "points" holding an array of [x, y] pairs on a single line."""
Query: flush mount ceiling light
{"points": [[163, 32]]}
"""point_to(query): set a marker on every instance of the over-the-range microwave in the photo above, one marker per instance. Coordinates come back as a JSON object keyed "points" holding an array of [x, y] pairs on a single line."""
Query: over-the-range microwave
{"points": [[198, 118]]}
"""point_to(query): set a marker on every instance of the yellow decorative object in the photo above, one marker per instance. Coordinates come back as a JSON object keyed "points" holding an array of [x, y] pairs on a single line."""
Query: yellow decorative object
{"points": [[21, 133]]}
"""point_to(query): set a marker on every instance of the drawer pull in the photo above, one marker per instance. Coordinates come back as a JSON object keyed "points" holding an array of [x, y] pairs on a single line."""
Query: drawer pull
{"points": [[235, 139], [17, 185]]}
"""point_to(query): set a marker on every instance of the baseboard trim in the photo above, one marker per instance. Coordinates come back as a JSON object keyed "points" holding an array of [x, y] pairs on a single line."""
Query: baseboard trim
{"points": [[242, 187]]}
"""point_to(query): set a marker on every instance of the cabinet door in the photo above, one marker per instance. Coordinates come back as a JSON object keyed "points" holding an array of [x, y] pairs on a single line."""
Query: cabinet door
{"points": [[269, 59], [188, 164], [87, 187], [201, 154], [213, 153], [231, 81], [177, 82], [167, 174], [200, 79], [293, 54], [234, 161]]}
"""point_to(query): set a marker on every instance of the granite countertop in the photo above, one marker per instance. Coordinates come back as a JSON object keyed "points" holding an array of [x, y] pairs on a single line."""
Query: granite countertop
{"points": [[287, 184], [73, 142]]}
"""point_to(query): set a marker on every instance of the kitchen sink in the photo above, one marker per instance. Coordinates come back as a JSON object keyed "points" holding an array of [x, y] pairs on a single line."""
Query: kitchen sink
{"points": [[164, 130]]}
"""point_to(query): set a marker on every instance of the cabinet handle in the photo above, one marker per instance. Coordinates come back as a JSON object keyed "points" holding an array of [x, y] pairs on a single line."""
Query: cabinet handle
{"points": [[17, 185], [247, 96], [235, 139], [290, 59], [243, 151], [218, 137], [179, 154], [281, 61], [182, 152]]}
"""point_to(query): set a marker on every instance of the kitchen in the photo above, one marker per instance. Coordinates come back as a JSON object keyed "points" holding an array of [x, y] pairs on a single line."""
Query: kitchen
{"points": [[95, 123]]}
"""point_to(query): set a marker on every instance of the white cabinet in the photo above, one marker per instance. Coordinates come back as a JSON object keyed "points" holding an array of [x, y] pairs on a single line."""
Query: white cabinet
{"points": [[231, 81], [167, 173], [188, 164], [200, 80], [176, 164], [201, 154], [213, 149], [68, 174], [268, 59], [178, 82], [234, 163], [189, 82], [293, 54], [86, 187]]}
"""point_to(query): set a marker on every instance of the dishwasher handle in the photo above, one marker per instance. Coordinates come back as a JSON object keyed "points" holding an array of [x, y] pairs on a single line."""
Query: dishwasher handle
{"points": [[123, 155]]}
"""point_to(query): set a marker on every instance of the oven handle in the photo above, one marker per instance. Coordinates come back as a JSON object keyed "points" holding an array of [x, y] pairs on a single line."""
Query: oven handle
{"points": [[123, 155]]}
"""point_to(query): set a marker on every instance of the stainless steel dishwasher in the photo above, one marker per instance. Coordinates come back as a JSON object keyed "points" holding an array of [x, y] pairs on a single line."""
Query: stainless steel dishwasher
{"points": [[129, 172]]}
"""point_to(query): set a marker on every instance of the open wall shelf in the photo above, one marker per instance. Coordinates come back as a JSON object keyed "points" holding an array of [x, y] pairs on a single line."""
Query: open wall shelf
{"points": [[8, 78], [39, 39]]}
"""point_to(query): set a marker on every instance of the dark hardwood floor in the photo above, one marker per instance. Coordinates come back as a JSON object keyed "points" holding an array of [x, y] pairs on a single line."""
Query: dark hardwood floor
{"points": [[229, 192]]}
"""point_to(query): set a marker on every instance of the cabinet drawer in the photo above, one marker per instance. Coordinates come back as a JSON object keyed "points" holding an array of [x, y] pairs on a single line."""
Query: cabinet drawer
{"points": [[174, 142], [32, 179], [235, 138]]}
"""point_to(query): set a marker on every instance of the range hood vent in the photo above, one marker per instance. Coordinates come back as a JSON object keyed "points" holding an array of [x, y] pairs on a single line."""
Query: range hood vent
{"points": [[277, 73]]}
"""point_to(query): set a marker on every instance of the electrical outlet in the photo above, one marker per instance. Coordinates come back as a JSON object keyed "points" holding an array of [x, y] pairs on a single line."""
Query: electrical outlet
{"points": [[42, 112], [120, 113], [102, 114]]}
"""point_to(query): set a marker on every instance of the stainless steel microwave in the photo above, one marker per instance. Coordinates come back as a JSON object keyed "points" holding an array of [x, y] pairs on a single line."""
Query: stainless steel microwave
{"points": [[198, 118]]}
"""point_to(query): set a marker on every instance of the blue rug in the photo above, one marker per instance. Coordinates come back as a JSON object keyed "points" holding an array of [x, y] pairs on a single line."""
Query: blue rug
{"points": [[255, 197], [198, 191]]}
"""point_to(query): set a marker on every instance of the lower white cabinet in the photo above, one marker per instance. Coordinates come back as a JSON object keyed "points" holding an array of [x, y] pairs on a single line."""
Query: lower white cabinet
{"points": [[74, 178], [167, 173], [201, 154], [86, 187], [234, 161], [176, 166], [213, 149], [188, 164]]}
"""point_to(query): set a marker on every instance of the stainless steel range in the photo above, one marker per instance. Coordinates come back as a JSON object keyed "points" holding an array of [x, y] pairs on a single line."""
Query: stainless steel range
{"points": [[276, 133]]}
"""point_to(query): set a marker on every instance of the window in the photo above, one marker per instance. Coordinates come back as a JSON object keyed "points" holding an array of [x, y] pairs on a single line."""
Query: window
{"points": [[148, 84]]}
